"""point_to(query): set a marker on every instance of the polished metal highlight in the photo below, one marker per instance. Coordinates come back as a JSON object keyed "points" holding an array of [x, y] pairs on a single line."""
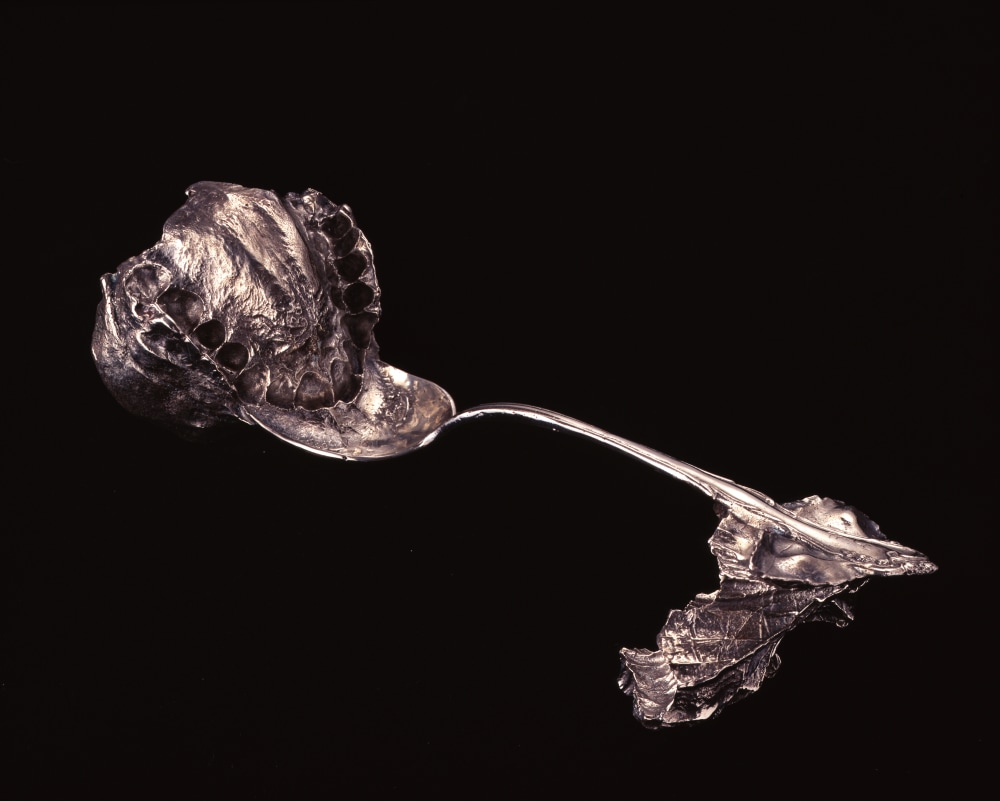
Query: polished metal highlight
{"points": [[261, 309]]}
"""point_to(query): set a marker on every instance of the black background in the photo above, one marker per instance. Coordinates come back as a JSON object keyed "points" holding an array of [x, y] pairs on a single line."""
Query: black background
{"points": [[764, 243]]}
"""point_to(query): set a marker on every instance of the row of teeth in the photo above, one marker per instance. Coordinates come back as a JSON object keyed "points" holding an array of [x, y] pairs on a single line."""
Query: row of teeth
{"points": [[309, 389]]}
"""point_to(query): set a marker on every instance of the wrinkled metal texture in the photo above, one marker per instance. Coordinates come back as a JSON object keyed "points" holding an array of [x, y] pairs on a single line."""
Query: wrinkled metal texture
{"points": [[261, 309], [723, 645]]}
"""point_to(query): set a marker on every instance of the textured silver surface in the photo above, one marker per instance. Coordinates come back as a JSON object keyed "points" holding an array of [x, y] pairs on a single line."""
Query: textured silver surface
{"points": [[261, 309], [780, 565], [722, 645]]}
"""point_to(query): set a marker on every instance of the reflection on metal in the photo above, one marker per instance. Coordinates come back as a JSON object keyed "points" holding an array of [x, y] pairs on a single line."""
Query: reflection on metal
{"points": [[262, 309], [258, 308], [721, 646]]}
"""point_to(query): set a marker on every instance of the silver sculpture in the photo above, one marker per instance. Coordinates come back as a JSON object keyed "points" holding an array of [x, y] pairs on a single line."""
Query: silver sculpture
{"points": [[261, 309]]}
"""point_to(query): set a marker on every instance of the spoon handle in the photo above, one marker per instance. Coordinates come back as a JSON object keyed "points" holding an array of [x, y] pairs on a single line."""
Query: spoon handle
{"points": [[879, 556]]}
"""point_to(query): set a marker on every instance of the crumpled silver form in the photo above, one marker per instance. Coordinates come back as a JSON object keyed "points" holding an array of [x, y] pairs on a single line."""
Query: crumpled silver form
{"points": [[722, 645], [262, 309]]}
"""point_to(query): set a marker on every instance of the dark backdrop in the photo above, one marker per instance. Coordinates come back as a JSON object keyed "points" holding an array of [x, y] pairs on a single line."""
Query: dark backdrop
{"points": [[762, 243]]}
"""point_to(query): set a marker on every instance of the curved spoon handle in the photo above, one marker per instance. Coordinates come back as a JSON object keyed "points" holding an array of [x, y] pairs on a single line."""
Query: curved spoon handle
{"points": [[878, 556]]}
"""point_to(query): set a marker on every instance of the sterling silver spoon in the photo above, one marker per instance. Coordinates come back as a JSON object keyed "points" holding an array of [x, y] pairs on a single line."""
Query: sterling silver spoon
{"points": [[261, 309]]}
